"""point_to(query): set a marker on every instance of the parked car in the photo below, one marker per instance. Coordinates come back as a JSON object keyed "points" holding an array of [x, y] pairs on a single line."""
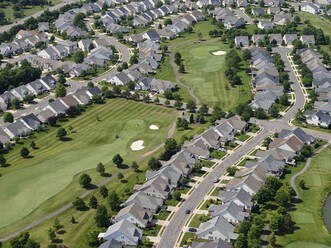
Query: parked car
{"points": [[215, 180], [187, 211], [191, 229]]}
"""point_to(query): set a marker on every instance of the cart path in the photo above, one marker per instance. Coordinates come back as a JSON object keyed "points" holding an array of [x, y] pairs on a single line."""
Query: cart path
{"points": [[88, 192], [191, 89]]}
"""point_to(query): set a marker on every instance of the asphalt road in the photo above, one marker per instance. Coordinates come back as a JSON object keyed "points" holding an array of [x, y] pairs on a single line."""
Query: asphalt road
{"points": [[176, 224], [21, 21]]}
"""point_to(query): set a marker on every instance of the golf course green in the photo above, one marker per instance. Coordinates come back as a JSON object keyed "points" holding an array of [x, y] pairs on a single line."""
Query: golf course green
{"points": [[205, 73], [96, 136]]}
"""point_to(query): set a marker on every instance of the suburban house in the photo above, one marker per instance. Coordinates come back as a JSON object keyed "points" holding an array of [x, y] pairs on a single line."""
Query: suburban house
{"points": [[250, 184], [318, 118], [241, 41], [218, 243], [289, 38], [241, 198], [308, 39], [229, 211], [135, 214], [270, 164], [124, 232], [148, 202], [265, 24], [311, 8], [217, 228], [258, 11], [157, 187]]}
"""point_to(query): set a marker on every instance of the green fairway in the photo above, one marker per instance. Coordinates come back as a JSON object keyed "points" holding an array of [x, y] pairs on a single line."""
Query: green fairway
{"points": [[310, 229], [205, 73], [316, 22], [27, 183]]}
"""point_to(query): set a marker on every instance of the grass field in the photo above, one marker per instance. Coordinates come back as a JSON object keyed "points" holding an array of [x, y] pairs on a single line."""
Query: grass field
{"points": [[316, 22], [311, 230], [57, 164], [205, 71], [29, 10]]}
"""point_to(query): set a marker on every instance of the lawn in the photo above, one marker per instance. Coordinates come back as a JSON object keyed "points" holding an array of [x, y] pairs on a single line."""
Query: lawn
{"points": [[315, 21], [187, 239], [205, 71], [215, 192], [198, 219], [311, 231], [243, 137], [206, 163], [57, 164], [27, 11], [152, 230], [163, 215], [207, 204], [217, 154]]}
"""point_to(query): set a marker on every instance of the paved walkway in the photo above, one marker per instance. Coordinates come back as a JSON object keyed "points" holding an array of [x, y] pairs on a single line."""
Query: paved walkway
{"points": [[292, 181], [191, 89]]}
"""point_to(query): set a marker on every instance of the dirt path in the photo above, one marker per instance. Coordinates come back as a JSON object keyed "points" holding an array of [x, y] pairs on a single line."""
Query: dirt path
{"points": [[88, 192], [191, 90], [292, 181]]}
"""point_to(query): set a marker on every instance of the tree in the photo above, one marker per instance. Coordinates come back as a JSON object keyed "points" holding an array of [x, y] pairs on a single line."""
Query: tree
{"points": [[25, 152], [16, 103], [90, 85], [241, 241], [231, 170], [181, 68], [57, 225], [170, 148], [120, 176], [2, 162], [60, 90], [302, 184], [78, 203], [61, 79], [103, 191], [273, 240], [85, 181], [260, 114], [118, 160], [282, 198], [276, 222], [167, 21], [78, 56], [283, 100], [100, 168], [157, 100], [167, 102], [61, 133], [135, 166], [33, 145], [114, 201], [297, 19], [92, 237], [247, 54], [73, 220], [131, 85], [191, 106], [101, 216], [203, 109], [8, 117], [178, 104], [274, 111], [93, 202], [176, 195], [153, 163], [51, 234]]}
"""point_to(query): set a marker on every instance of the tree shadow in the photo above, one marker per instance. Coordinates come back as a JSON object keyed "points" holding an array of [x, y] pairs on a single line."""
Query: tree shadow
{"points": [[123, 166], [57, 241], [106, 174], [66, 139], [92, 186], [62, 232], [124, 181]]}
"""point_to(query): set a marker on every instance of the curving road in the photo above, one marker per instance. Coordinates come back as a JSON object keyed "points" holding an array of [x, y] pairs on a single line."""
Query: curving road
{"points": [[176, 224]]}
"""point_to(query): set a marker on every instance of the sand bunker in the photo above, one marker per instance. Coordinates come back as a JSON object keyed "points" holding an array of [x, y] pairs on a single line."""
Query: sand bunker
{"points": [[153, 127], [217, 53], [137, 145]]}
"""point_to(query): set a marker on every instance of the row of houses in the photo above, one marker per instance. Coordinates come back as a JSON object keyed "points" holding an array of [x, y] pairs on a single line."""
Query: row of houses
{"points": [[148, 198], [34, 88], [320, 115], [237, 196], [60, 107], [25, 40], [265, 80], [226, 16]]}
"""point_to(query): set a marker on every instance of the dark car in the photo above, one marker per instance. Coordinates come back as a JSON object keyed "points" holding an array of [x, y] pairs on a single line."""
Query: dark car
{"points": [[191, 229], [187, 211]]}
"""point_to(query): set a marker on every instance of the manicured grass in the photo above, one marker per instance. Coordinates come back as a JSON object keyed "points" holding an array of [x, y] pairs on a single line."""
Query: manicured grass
{"points": [[27, 11], [207, 204], [184, 190], [253, 128], [152, 230], [311, 231], [187, 238], [225, 181], [171, 202], [207, 163], [217, 154], [165, 70], [215, 192], [205, 71], [163, 215], [243, 137], [198, 219], [316, 22], [57, 164]]}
